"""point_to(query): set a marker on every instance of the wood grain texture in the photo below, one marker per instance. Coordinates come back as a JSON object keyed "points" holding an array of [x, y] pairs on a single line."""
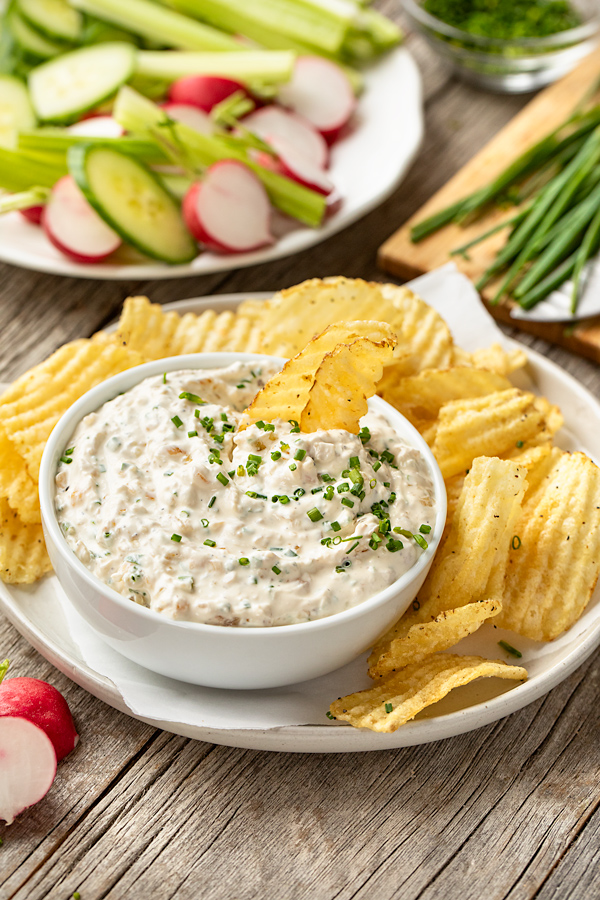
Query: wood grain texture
{"points": [[509, 811], [400, 256]]}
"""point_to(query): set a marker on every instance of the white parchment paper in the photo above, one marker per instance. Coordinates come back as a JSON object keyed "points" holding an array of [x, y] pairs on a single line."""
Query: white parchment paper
{"points": [[156, 697]]}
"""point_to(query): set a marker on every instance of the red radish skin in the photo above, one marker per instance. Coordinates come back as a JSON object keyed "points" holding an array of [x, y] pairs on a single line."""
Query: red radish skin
{"points": [[74, 227], [299, 167], [27, 766], [274, 121], [229, 210], [97, 126], [190, 115], [42, 705], [33, 214], [203, 91], [320, 92]]}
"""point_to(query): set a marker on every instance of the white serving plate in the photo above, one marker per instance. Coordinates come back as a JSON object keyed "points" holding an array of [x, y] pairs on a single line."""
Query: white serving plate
{"points": [[37, 614], [366, 168]]}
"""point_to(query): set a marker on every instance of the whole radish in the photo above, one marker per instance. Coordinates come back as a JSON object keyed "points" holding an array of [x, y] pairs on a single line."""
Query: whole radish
{"points": [[229, 210], [203, 91], [74, 227], [36, 732]]}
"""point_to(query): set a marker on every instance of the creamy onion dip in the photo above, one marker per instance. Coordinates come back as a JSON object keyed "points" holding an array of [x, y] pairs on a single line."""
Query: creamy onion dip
{"points": [[163, 499]]}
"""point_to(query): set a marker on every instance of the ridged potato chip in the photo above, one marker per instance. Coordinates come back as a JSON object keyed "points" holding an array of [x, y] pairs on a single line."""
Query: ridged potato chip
{"points": [[484, 426], [493, 358], [471, 562], [397, 699], [286, 395], [23, 555], [441, 633], [420, 397], [555, 549], [16, 484], [33, 404]]}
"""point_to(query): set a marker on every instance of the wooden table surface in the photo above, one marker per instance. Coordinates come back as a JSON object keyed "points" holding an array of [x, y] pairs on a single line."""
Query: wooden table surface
{"points": [[508, 811]]}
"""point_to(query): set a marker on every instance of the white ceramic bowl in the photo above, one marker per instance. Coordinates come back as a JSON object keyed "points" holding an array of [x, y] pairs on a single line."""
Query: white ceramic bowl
{"points": [[213, 655]]}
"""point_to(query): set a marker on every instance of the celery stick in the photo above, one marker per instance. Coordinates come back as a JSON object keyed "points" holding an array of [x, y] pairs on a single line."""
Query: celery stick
{"points": [[35, 196], [253, 18], [194, 152], [381, 31], [19, 171], [149, 20], [49, 140], [267, 67]]}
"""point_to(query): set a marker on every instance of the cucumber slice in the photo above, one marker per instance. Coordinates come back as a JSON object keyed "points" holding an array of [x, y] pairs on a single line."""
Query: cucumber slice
{"points": [[30, 40], [16, 112], [63, 89], [53, 18], [130, 198]]}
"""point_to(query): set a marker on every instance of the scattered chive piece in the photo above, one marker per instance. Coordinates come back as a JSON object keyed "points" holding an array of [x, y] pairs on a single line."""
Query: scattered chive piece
{"points": [[76, 896], [425, 529], [393, 545], [204, 522], [260, 424], [283, 498], [346, 473], [314, 514], [404, 532], [276, 569], [275, 455], [354, 462], [420, 540], [348, 503], [285, 446], [516, 542], [211, 502], [269, 426], [335, 526], [192, 434], [66, 459], [244, 561], [299, 492], [356, 477], [197, 413], [222, 478], [107, 534], [329, 716], [389, 708], [316, 490], [293, 467], [194, 398], [364, 434], [329, 493], [324, 476], [176, 421], [223, 417], [509, 649], [343, 487], [176, 537], [241, 470], [376, 466], [386, 456], [339, 569], [69, 452], [231, 473], [209, 543], [164, 377], [299, 454], [520, 444], [375, 541], [353, 546], [295, 429], [373, 483]]}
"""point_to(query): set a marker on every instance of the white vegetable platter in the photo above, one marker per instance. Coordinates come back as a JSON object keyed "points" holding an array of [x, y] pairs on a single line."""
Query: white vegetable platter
{"points": [[366, 167], [38, 614]]}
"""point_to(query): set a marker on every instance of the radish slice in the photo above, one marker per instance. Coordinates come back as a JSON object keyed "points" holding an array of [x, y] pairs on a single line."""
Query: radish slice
{"points": [[320, 91], [299, 167], [191, 116], [27, 766], [203, 91], [74, 227], [277, 122], [33, 214], [97, 126], [229, 210]]}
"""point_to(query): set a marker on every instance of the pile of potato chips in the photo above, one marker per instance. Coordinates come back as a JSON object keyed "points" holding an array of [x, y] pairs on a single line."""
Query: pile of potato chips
{"points": [[522, 539]]}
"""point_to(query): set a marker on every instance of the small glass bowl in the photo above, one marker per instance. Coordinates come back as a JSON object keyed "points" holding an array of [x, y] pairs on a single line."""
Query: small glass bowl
{"points": [[511, 66]]}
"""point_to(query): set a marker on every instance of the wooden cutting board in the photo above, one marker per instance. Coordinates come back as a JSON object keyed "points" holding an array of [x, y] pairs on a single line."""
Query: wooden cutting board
{"points": [[401, 257]]}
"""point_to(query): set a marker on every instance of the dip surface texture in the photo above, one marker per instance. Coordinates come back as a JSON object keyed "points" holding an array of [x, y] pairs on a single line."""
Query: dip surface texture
{"points": [[163, 499]]}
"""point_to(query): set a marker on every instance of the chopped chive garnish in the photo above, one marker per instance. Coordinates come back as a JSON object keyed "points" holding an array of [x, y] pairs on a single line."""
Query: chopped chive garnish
{"points": [[209, 543], [375, 541], [223, 417], [164, 377], [176, 421], [293, 467], [295, 429], [285, 446], [107, 534], [197, 413], [346, 473], [299, 492], [386, 484], [329, 493], [343, 487], [316, 490], [329, 716], [176, 537], [516, 542], [204, 522], [425, 529], [314, 514], [386, 456], [353, 546], [420, 540], [69, 452], [376, 466], [393, 545], [260, 424], [192, 434], [240, 386], [340, 569], [231, 473], [222, 478], [275, 455], [520, 444], [300, 454], [364, 434], [354, 462], [66, 459], [194, 398], [269, 426], [373, 483], [388, 707], [283, 498], [348, 503], [241, 471], [253, 457], [510, 649], [218, 438], [356, 477], [244, 561], [276, 569], [403, 531], [211, 502], [324, 476], [252, 494], [335, 526]]}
